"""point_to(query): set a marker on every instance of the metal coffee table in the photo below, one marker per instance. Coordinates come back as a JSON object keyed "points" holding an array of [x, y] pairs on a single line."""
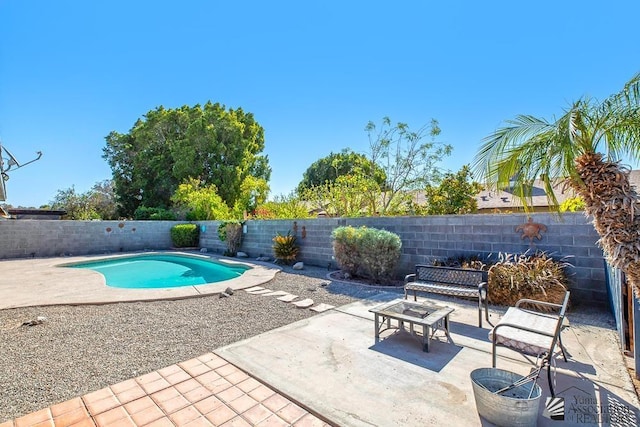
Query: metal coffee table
{"points": [[430, 316]]}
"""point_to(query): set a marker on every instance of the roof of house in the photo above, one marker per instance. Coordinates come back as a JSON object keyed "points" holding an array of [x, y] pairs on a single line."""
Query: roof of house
{"points": [[491, 199]]}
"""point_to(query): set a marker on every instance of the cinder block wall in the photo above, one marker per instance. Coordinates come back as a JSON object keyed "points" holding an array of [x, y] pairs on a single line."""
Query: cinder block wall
{"points": [[437, 237], [46, 238], [423, 240]]}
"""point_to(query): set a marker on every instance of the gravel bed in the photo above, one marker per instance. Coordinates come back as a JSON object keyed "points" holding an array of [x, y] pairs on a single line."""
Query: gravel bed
{"points": [[79, 349]]}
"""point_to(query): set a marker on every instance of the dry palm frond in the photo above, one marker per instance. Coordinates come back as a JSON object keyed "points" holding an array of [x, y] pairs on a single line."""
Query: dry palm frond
{"points": [[611, 201]]}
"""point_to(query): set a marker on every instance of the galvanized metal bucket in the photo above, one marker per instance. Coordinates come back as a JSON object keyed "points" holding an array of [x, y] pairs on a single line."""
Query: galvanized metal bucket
{"points": [[515, 406]]}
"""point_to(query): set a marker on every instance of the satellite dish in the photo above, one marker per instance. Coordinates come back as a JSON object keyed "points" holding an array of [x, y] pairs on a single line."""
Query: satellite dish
{"points": [[11, 162]]}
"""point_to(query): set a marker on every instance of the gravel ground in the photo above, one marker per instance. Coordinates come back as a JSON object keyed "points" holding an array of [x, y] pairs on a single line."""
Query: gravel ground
{"points": [[79, 349]]}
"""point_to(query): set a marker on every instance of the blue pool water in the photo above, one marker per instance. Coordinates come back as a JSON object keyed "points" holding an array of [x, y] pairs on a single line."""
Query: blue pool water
{"points": [[150, 271]]}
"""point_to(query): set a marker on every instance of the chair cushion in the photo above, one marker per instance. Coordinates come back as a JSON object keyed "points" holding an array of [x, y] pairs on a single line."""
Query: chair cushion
{"points": [[461, 291], [525, 341]]}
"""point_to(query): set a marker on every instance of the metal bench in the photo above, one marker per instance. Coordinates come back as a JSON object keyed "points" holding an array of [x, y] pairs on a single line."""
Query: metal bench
{"points": [[533, 332], [451, 281]]}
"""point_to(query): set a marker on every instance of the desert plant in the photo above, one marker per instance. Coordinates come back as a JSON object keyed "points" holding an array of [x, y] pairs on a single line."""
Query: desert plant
{"points": [[367, 252], [345, 249], [285, 248], [536, 276], [185, 235], [230, 232]]}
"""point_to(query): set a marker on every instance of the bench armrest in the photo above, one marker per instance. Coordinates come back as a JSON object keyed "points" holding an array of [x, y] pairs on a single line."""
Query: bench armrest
{"points": [[409, 278]]}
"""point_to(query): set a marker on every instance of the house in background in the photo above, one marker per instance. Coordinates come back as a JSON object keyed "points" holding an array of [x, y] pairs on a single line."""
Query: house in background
{"points": [[505, 201], [35, 213]]}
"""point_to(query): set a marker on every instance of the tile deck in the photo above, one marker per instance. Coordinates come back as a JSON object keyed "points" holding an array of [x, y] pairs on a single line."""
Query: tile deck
{"points": [[205, 391]]}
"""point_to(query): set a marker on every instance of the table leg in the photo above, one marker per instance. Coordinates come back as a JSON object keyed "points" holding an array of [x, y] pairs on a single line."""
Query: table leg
{"points": [[446, 328], [377, 322], [426, 337]]}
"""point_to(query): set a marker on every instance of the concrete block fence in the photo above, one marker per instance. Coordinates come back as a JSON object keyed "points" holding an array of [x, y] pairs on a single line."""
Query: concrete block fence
{"points": [[424, 239], [427, 238], [48, 238]]}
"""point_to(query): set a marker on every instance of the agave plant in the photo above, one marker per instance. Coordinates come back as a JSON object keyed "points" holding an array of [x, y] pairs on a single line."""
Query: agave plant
{"points": [[571, 149], [285, 248]]}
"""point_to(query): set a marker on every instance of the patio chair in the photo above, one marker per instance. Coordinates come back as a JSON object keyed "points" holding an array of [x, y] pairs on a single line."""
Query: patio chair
{"points": [[532, 332]]}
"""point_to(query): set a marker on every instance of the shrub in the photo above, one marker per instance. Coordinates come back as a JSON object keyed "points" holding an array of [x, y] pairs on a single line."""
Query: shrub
{"points": [[156, 214], [285, 248], [367, 252], [231, 233], [185, 235], [536, 276]]}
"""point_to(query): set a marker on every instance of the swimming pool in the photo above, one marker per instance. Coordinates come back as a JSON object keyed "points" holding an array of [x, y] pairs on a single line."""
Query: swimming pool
{"points": [[152, 271]]}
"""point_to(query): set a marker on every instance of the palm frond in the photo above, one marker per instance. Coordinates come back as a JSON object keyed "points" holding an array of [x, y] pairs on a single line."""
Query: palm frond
{"points": [[617, 121], [529, 149]]}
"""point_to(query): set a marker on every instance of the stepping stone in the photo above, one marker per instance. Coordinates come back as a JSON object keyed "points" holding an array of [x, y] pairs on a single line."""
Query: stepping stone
{"points": [[255, 288], [305, 303], [322, 307], [260, 292], [275, 294], [287, 298]]}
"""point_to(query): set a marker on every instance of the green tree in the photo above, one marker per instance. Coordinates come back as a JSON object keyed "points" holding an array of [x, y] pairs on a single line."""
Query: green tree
{"points": [[103, 200], [347, 162], [571, 147], [77, 206], [97, 203], [203, 203], [454, 195], [573, 204], [253, 192], [348, 195], [408, 161], [167, 147], [282, 207]]}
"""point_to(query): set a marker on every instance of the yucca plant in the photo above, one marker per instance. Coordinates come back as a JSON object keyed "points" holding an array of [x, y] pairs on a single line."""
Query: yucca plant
{"points": [[570, 148], [285, 248]]}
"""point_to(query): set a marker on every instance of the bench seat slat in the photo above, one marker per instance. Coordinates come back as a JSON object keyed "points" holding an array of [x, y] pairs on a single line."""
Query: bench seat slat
{"points": [[460, 291]]}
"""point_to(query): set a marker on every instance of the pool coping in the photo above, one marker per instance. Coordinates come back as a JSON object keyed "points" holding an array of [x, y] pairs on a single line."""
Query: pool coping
{"points": [[42, 282]]}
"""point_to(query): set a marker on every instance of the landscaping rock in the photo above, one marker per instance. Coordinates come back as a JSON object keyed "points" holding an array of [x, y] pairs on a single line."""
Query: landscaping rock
{"points": [[298, 266], [37, 321], [305, 303], [242, 255]]}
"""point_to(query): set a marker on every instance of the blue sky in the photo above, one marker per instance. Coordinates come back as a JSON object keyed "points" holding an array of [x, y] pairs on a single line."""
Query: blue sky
{"points": [[313, 73]]}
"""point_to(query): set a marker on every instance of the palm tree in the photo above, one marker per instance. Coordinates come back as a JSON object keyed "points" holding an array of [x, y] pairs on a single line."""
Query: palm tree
{"points": [[570, 148]]}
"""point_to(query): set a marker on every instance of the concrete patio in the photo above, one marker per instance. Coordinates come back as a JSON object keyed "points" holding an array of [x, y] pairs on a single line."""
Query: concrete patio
{"points": [[328, 369], [332, 365]]}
